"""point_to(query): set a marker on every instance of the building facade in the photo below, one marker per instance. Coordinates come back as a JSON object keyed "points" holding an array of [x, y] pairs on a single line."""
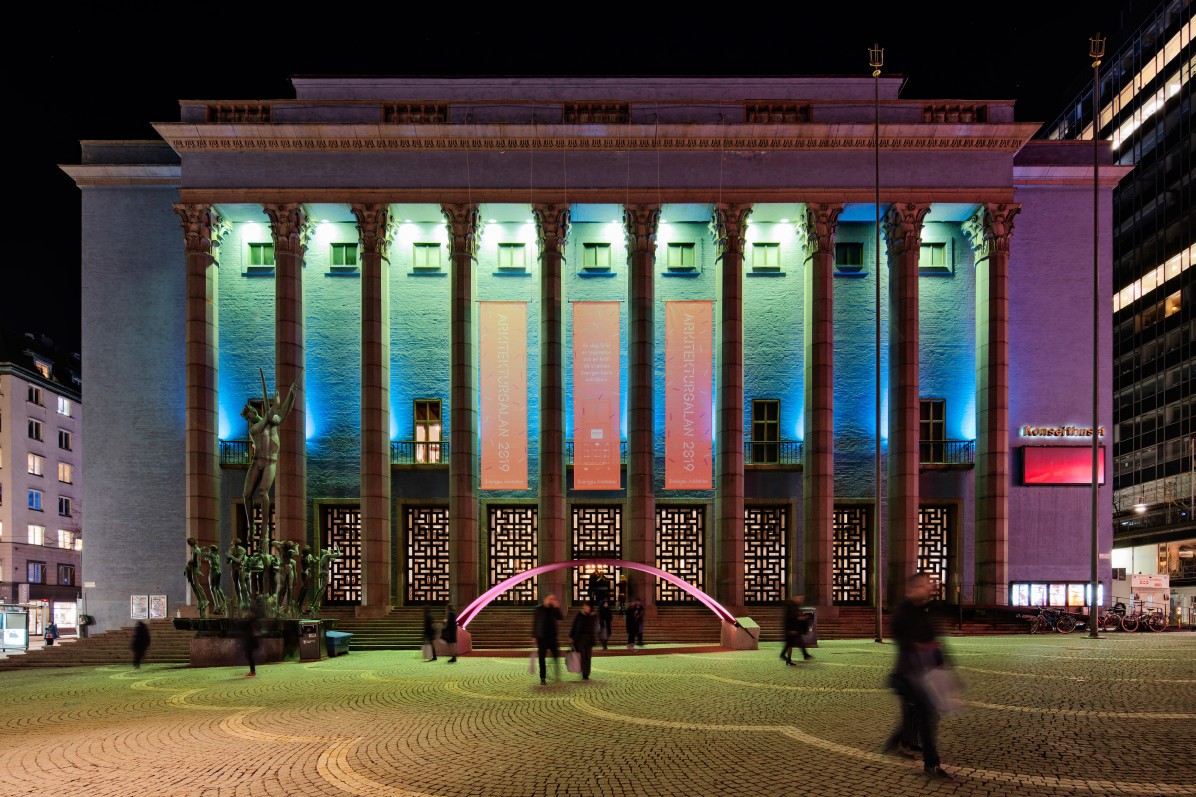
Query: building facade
{"points": [[1146, 113], [41, 477], [528, 323]]}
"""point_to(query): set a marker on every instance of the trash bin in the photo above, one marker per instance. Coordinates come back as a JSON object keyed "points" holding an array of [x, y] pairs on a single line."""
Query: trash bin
{"points": [[309, 640], [810, 638]]}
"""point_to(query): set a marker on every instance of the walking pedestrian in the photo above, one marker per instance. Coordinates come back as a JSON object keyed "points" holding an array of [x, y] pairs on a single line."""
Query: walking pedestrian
{"points": [[449, 632], [621, 593], [544, 632], [249, 641], [635, 623], [140, 644], [918, 650], [797, 625], [604, 620], [429, 636], [581, 637], [51, 633]]}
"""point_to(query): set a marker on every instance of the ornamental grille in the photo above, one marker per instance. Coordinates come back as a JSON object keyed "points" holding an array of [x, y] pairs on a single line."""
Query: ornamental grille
{"points": [[765, 554], [427, 529], [934, 544], [242, 530], [342, 529], [851, 555], [597, 534], [513, 535], [680, 550]]}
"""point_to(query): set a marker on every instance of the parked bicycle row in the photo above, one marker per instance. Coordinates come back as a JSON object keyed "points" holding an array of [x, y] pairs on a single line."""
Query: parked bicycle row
{"points": [[1116, 618]]}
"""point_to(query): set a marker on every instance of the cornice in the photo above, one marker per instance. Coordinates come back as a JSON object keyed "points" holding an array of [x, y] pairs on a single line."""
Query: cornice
{"points": [[1110, 175], [382, 137], [123, 174]]}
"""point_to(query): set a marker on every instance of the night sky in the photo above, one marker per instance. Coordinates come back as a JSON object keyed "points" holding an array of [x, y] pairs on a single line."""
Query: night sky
{"points": [[109, 78]]}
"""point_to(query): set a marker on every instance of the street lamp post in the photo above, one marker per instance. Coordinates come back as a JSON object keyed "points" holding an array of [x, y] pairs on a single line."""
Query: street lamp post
{"points": [[1096, 51], [876, 59]]}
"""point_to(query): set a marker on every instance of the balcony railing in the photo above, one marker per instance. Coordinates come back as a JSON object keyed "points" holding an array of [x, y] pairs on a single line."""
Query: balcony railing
{"points": [[234, 452], [947, 452], [569, 452], [412, 452], [772, 452]]}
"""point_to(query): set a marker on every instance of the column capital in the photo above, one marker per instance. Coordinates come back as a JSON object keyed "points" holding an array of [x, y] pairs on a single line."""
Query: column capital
{"points": [[552, 227], [464, 228], [903, 227], [818, 227], [203, 229], [728, 227], [375, 228], [990, 228], [290, 227], [640, 223]]}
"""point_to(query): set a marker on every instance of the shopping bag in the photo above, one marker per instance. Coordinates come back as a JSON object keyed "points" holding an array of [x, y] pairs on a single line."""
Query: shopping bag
{"points": [[428, 651], [945, 690], [573, 661], [533, 663]]}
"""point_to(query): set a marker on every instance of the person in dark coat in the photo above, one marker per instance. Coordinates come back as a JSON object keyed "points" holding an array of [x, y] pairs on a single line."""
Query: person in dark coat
{"points": [[918, 649], [797, 625], [140, 644], [635, 623], [581, 637], [449, 632], [430, 633], [249, 641], [605, 615], [544, 632]]}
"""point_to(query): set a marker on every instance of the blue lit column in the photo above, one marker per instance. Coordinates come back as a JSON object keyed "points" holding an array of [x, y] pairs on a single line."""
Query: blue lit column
{"points": [[462, 222]]}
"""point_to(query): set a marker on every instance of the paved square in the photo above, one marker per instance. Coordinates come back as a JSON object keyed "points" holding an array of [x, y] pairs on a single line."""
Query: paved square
{"points": [[1047, 715]]}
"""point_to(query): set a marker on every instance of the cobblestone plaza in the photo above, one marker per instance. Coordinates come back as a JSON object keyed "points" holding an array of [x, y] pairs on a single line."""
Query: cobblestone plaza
{"points": [[1046, 715]]}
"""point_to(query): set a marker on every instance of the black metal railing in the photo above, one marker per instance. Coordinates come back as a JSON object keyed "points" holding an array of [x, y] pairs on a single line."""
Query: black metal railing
{"points": [[569, 452], [234, 452], [947, 452], [412, 452], [772, 452]]}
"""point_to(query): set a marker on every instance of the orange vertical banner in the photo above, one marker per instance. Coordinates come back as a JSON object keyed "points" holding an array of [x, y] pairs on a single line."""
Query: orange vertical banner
{"points": [[596, 439], [688, 380], [502, 338]]}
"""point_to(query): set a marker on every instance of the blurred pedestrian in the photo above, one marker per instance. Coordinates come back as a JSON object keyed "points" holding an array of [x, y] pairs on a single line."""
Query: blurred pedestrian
{"points": [[797, 625], [140, 644], [51, 633], [249, 641], [429, 636], [918, 650], [449, 632], [581, 637], [604, 620], [621, 593], [544, 632], [635, 623]]}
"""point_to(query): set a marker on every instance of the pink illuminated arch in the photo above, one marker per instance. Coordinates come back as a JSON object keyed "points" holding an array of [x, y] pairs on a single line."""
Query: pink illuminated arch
{"points": [[483, 600]]}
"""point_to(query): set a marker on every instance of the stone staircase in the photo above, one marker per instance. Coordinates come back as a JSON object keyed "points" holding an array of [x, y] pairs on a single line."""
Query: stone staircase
{"points": [[167, 646], [401, 629]]}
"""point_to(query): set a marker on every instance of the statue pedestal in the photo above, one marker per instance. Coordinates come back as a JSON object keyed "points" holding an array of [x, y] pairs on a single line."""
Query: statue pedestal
{"points": [[220, 642], [745, 636]]}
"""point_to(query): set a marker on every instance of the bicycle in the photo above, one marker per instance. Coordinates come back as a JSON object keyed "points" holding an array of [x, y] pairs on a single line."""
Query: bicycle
{"points": [[1150, 620], [1052, 619], [1111, 620]]}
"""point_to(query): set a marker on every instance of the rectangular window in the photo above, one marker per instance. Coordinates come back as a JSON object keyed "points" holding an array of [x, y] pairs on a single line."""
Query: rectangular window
{"points": [[66, 575], [343, 257], [595, 257], [849, 257], [35, 500], [64, 440], [35, 429], [681, 257], [512, 257], [766, 257], [260, 258], [933, 431], [37, 534], [36, 464], [34, 395], [64, 506], [42, 367], [933, 259], [64, 406], [35, 572], [426, 256], [66, 539], [428, 430], [766, 431], [66, 473]]}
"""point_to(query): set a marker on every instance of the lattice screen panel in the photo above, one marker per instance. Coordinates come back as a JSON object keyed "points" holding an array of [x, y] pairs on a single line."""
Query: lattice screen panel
{"points": [[852, 527], [765, 553], [427, 554], [597, 533], [934, 544], [242, 529], [342, 529], [680, 550], [513, 535]]}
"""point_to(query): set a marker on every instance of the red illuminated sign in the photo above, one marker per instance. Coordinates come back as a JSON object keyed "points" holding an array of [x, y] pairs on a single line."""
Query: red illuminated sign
{"points": [[1060, 465]]}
